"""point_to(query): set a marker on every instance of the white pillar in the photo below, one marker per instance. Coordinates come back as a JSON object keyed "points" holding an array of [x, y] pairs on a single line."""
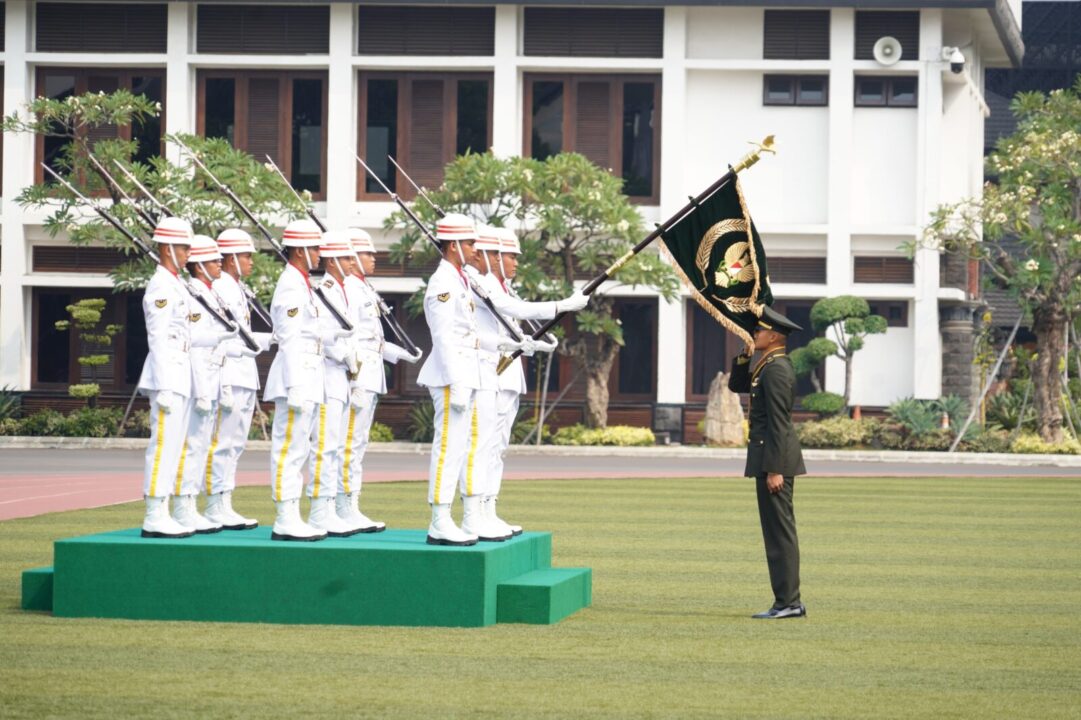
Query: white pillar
{"points": [[18, 172], [927, 365], [179, 77], [672, 317], [839, 171], [341, 191], [506, 90]]}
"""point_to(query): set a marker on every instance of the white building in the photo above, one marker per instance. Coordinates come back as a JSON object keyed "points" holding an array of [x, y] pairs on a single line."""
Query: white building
{"points": [[666, 95]]}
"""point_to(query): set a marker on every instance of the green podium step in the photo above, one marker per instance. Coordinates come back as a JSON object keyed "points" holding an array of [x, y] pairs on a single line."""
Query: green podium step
{"points": [[545, 596], [389, 578]]}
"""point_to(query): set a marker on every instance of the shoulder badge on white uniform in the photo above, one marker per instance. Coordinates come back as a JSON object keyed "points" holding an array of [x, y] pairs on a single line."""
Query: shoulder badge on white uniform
{"points": [[292, 312], [443, 297], [194, 317], [161, 303]]}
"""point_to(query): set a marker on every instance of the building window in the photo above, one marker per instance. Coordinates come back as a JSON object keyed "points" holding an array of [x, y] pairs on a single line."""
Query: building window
{"points": [[707, 353], [883, 91], [263, 29], [888, 270], [612, 120], [895, 311], [805, 270], [795, 90], [423, 120], [431, 30], [593, 32], [874, 24], [60, 83], [796, 35], [280, 114], [101, 27], [634, 375]]}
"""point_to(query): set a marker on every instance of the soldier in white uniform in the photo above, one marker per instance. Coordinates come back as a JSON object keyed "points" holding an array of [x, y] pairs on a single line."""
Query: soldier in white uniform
{"points": [[295, 383], [239, 385], [340, 363], [368, 384], [495, 415], [166, 376]]}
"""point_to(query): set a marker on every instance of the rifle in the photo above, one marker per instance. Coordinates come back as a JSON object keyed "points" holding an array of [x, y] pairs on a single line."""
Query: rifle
{"points": [[253, 301], [225, 190], [745, 162], [533, 324], [145, 248], [384, 310], [515, 333]]}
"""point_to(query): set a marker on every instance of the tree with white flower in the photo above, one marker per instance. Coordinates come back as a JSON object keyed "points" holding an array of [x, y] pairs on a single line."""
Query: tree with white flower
{"points": [[573, 221], [1034, 201]]}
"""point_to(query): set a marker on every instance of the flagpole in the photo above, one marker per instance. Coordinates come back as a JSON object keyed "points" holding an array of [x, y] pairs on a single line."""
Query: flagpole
{"points": [[745, 162]]}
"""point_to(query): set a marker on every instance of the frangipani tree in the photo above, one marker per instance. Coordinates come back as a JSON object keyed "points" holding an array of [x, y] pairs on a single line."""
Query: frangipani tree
{"points": [[1033, 203]]}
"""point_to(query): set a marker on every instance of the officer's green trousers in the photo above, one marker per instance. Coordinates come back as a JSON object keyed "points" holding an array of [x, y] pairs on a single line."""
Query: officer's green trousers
{"points": [[778, 519]]}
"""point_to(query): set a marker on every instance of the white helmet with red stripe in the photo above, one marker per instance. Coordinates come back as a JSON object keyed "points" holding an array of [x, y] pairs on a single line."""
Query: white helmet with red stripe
{"points": [[487, 238], [336, 244], [455, 226], [508, 241], [173, 231], [362, 241], [235, 240], [302, 234], [203, 249]]}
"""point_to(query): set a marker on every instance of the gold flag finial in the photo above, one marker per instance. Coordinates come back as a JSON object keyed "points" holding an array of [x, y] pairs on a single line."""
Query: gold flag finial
{"points": [[755, 155]]}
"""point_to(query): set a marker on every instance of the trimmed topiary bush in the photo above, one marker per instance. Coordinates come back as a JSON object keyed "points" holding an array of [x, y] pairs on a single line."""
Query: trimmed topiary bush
{"points": [[380, 433], [823, 404]]}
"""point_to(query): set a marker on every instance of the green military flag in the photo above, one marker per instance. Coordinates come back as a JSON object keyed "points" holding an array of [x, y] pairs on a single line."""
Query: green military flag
{"points": [[719, 255]]}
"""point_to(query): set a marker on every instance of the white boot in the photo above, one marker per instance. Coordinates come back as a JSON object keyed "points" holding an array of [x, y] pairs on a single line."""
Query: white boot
{"points": [[158, 524], [185, 513], [323, 517], [475, 523], [489, 510], [236, 519], [215, 512], [289, 526], [443, 531], [348, 507]]}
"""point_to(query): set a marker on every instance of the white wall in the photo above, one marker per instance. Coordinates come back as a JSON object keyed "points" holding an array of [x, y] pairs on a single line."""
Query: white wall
{"points": [[882, 370], [724, 33], [884, 166]]}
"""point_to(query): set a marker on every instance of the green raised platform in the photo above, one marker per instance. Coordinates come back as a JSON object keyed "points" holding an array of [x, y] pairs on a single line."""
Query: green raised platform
{"points": [[389, 578]]}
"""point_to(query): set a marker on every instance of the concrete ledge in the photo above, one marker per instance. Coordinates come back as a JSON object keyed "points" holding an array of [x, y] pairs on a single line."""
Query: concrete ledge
{"points": [[658, 451]]}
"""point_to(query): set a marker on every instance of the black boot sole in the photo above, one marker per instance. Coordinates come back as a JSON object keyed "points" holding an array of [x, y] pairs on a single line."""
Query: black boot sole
{"points": [[211, 531], [166, 536], [235, 527], [433, 541], [368, 531], [294, 538]]}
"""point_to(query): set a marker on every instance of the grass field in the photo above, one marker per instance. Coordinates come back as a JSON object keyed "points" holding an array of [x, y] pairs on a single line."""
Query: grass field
{"points": [[927, 598]]}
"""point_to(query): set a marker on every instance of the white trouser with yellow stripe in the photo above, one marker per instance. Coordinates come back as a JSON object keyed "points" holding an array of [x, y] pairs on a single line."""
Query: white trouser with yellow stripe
{"points": [[166, 448], [473, 479], [506, 408], [451, 442], [290, 444], [325, 455], [191, 475], [228, 442], [356, 430]]}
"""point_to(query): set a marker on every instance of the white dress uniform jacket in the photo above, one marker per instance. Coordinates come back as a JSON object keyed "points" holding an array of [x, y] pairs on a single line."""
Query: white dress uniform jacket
{"points": [[368, 339], [168, 335], [449, 310], [239, 372], [299, 363], [207, 354], [510, 306]]}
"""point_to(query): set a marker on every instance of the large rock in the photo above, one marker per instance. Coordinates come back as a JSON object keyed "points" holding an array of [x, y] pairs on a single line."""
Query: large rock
{"points": [[724, 414]]}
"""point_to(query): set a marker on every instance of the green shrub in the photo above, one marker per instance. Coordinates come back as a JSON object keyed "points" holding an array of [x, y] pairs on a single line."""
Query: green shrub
{"points": [[380, 433], [935, 440], [986, 440], [835, 432], [620, 435], [138, 424], [10, 426], [42, 423], [823, 404], [917, 416], [524, 428], [889, 436], [422, 421], [955, 408], [9, 403], [1031, 443], [92, 422], [255, 432], [1004, 409]]}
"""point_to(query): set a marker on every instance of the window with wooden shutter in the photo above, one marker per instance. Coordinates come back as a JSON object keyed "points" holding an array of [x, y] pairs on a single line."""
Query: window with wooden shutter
{"points": [[101, 27], [280, 114], [612, 120], [3, 24], [810, 270], [263, 29], [423, 120], [893, 270], [874, 24], [594, 32], [796, 35], [411, 30], [60, 83], [895, 311]]}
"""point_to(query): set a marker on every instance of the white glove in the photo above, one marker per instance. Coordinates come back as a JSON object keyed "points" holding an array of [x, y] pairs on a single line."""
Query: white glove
{"points": [[392, 353], [413, 359], [573, 303], [352, 364], [227, 334], [545, 346], [356, 397], [294, 399], [203, 406], [225, 398], [506, 345], [529, 346], [459, 397], [167, 400]]}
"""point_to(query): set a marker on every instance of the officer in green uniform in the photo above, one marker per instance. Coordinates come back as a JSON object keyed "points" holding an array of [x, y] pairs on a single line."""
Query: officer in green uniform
{"points": [[773, 455]]}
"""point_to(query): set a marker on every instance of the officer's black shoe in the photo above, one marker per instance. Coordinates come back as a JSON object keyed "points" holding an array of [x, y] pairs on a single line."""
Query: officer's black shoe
{"points": [[792, 611]]}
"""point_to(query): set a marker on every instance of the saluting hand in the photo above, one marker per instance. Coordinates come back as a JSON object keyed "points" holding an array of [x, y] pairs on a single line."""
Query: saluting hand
{"points": [[774, 483]]}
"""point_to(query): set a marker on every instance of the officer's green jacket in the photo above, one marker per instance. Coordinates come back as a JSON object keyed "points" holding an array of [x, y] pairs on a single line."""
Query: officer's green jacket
{"points": [[773, 446]]}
